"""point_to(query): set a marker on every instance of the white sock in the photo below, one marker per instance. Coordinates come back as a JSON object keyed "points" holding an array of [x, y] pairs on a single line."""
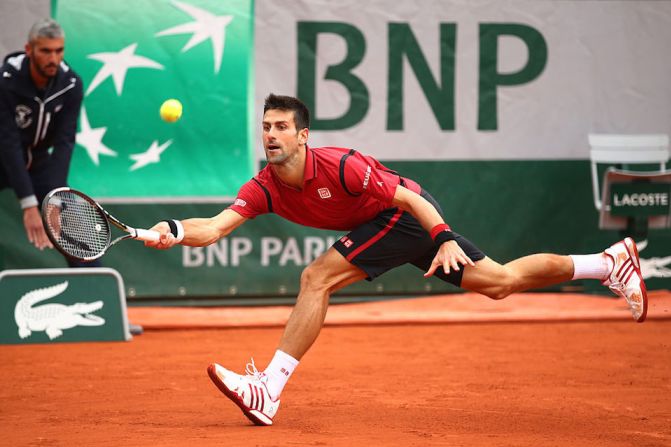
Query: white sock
{"points": [[278, 372], [596, 266]]}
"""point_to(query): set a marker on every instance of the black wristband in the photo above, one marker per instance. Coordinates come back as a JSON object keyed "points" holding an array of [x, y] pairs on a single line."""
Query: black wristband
{"points": [[173, 226], [443, 237]]}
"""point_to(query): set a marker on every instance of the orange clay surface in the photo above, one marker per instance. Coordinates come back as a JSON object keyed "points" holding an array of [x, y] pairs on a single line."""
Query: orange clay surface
{"points": [[490, 383]]}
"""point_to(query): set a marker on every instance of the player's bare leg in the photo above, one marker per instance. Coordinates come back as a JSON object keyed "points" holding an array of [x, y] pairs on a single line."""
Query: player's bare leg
{"points": [[617, 267], [257, 393], [328, 273], [497, 281]]}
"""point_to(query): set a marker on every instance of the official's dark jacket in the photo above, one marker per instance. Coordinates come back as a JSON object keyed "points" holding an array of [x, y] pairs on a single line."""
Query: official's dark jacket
{"points": [[37, 128]]}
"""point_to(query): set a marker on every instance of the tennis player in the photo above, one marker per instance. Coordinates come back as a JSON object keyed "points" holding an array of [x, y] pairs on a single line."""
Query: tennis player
{"points": [[390, 221]]}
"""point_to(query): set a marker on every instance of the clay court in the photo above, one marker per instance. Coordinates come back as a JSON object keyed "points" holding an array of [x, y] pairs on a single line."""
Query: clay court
{"points": [[512, 378]]}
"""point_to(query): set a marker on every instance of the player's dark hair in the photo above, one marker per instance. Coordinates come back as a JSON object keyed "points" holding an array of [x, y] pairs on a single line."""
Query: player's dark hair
{"points": [[279, 102]]}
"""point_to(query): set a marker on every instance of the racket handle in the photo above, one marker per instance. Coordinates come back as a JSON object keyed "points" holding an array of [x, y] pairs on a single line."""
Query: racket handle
{"points": [[146, 235]]}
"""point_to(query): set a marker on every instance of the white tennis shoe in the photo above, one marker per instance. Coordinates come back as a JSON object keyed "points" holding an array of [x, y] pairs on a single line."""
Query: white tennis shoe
{"points": [[249, 392], [625, 279]]}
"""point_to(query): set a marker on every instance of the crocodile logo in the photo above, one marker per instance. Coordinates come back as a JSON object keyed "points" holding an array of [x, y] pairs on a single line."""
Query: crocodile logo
{"points": [[53, 318]]}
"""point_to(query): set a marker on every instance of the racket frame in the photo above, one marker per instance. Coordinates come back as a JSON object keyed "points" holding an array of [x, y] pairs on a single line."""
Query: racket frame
{"points": [[133, 233]]}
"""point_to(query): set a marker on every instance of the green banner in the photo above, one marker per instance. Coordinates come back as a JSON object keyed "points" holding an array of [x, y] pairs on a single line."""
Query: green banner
{"points": [[132, 56], [640, 199], [514, 209], [62, 305]]}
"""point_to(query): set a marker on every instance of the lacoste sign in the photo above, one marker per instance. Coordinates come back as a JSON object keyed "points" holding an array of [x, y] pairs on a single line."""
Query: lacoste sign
{"points": [[640, 199], [635, 199], [55, 305], [53, 318]]}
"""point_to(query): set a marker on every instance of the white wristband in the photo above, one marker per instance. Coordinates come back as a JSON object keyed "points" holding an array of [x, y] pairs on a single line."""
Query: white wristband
{"points": [[180, 230], [176, 228]]}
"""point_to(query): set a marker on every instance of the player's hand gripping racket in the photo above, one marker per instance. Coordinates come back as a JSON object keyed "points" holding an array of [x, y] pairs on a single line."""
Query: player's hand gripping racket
{"points": [[80, 228]]}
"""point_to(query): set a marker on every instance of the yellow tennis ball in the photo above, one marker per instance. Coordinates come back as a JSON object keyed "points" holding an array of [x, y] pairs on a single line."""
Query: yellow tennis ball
{"points": [[171, 110]]}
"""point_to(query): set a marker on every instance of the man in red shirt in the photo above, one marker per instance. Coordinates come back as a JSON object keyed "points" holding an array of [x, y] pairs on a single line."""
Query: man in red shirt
{"points": [[391, 221]]}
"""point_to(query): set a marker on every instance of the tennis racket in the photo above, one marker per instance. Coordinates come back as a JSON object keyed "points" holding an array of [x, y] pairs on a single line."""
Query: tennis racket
{"points": [[80, 228]]}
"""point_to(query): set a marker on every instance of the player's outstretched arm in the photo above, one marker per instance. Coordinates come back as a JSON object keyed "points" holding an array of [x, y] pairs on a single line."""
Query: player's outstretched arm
{"points": [[198, 232], [450, 254]]}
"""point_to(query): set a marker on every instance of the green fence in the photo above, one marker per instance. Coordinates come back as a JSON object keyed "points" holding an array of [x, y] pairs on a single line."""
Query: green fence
{"points": [[509, 209]]}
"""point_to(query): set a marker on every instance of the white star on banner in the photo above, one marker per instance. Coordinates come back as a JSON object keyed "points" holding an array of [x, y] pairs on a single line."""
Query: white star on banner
{"points": [[152, 155], [205, 26], [117, 64], [92, 139]]}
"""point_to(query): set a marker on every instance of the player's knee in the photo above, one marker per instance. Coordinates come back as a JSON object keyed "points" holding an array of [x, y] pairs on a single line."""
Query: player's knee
{"points": [[314, 278], [505, 285], [498, 293]]}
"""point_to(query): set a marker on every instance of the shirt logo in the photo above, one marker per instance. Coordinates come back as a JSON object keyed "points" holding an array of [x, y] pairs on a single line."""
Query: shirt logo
{"points": [[324, 193], [366, 178], [347, 242], [23, 118], [240, 202], [380, 183]]}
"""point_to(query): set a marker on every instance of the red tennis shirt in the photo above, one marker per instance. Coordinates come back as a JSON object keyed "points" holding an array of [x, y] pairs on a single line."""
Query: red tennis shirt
{"points": [[342, 189]]}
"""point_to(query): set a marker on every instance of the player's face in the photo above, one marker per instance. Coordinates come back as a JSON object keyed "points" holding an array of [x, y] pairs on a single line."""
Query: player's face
{"points": [[281, 140], [45, 55]]}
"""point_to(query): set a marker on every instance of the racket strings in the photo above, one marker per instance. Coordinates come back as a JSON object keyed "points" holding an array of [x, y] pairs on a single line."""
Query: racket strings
{"points": [[77, 225]]}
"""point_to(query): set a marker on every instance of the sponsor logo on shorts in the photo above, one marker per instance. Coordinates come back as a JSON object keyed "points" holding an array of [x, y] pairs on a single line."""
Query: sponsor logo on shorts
{"points": [[324, 193], [347, 242], [240, 202], [366, 177]]}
